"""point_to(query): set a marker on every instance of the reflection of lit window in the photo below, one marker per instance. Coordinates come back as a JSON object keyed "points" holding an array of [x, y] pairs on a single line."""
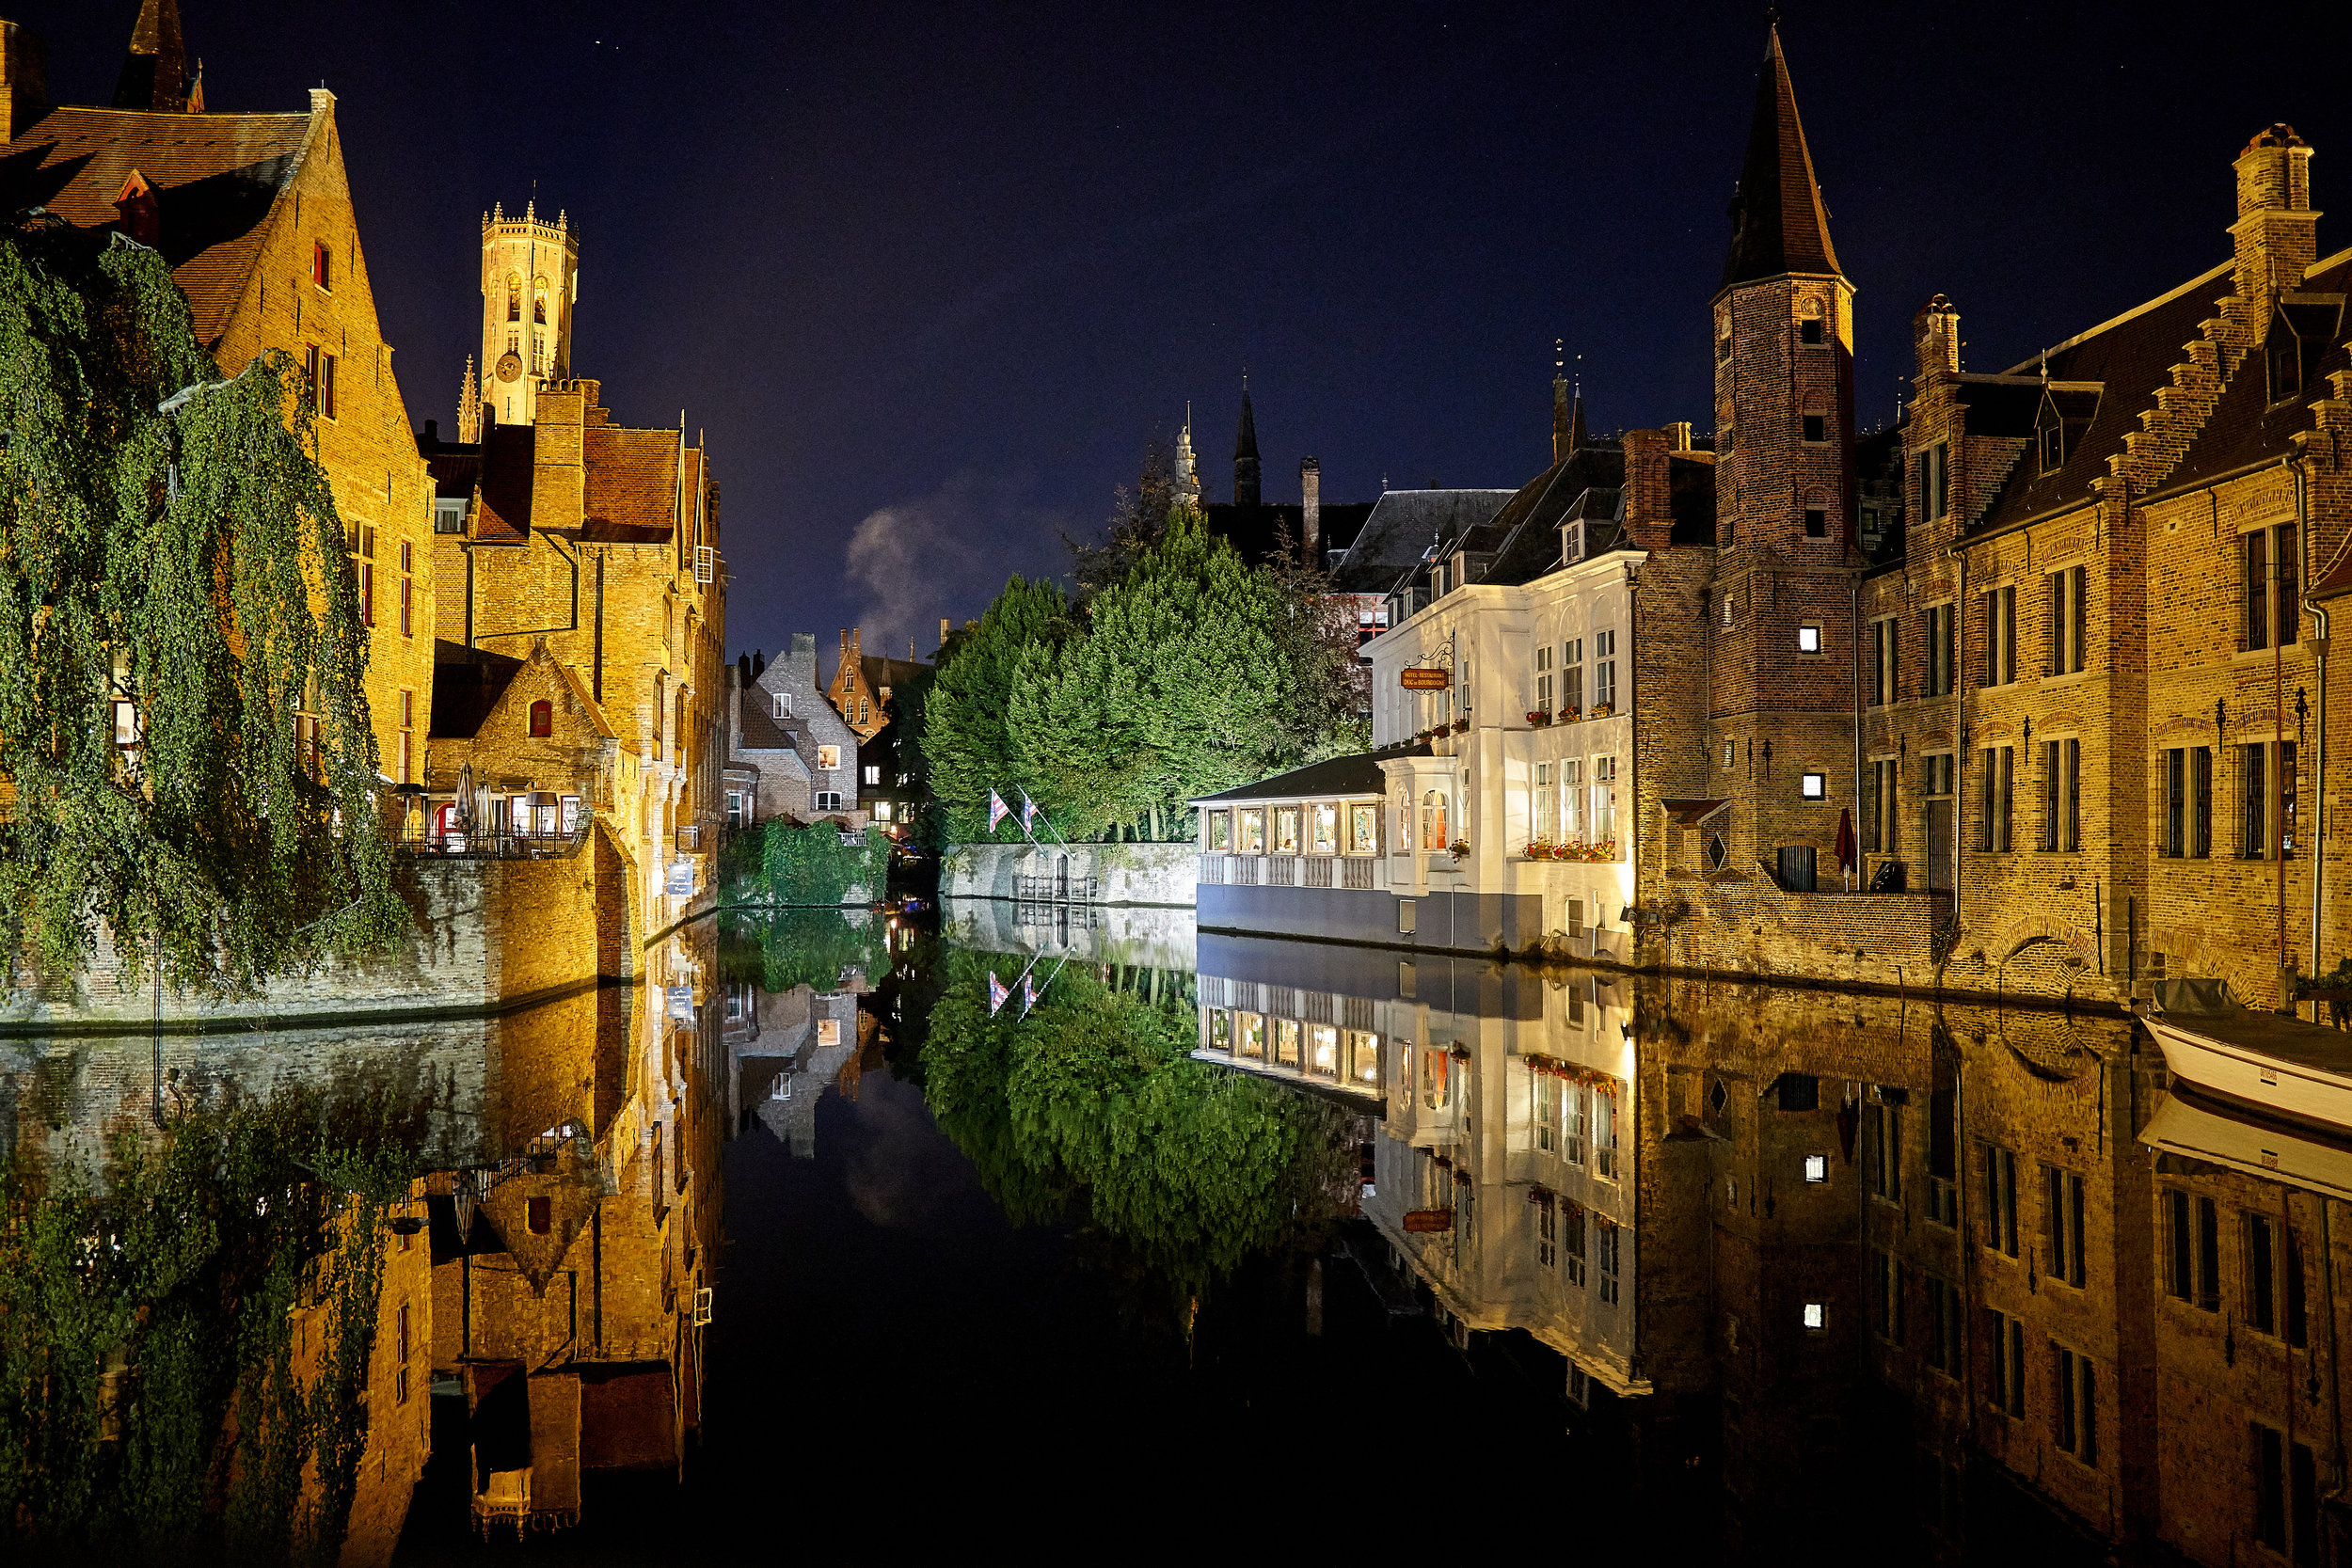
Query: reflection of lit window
{"points": [[1220, 1029], [828, 1031], [1286, 1042], [1815, 1315], [1250, 1036], [1434, 1066], [1817, 1167], [881, 811]]}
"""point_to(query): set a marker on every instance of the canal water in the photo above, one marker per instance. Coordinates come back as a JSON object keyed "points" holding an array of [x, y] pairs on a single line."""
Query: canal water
{"points": [[1001, 1218]]}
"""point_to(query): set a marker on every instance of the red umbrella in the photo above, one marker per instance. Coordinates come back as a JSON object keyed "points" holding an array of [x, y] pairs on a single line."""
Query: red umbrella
{"points": [[1846, 860]]}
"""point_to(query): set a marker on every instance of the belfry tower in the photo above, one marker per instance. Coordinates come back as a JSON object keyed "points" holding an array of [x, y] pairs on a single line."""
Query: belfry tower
{"points": [[530, 284], [1782, 707]]}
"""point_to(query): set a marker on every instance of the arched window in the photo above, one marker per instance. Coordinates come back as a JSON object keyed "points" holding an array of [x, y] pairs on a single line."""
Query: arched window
{"points": [[539, 301], [542, 719], [514, 296], [1817, 513], [1433, 835]]}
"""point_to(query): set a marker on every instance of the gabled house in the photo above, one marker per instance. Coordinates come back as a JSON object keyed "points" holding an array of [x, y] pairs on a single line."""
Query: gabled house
{"points": [[790, 754]]}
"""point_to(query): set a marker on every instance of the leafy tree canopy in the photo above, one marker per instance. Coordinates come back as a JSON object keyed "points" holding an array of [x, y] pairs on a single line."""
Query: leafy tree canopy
{"points": [[172, 575]]}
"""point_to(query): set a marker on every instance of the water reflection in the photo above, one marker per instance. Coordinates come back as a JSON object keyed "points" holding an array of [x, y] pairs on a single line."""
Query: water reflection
{"points": [[1985, 1276]]}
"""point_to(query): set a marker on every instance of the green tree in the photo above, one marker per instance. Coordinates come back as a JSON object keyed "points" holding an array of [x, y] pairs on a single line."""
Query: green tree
{"points": [[172, 572], [967, 742]]}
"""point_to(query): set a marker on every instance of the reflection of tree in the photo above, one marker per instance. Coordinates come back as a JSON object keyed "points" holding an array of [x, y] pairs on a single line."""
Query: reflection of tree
{"points": [[150, 1405], [1193, 1167], [780, 949]]}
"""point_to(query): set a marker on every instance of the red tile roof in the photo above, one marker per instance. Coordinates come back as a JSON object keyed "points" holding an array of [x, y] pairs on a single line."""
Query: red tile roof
{"points": [[632, 484], [216, 177]]}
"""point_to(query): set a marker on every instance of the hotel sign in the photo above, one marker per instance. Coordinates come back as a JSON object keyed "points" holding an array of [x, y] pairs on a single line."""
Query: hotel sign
{"points": [[1422, 1221], [1416, 678]]}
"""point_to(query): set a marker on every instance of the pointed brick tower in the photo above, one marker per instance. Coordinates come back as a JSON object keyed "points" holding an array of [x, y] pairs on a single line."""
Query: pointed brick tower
{"points": [[1783, 696], [155, 71]]}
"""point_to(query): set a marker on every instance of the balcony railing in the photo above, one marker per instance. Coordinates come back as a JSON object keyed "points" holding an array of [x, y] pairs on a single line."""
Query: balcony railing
{"points": [[458, 844]]}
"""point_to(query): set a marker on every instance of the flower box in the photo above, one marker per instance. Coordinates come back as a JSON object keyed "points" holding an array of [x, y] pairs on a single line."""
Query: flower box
{"points": [[1460, 725], [1602, 711], [1459, 848], [1538, 717], [1569, 715], [1539, 849]]}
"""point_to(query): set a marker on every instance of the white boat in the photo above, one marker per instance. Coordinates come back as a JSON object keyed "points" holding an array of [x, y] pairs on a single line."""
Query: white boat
{"points": [[2274, 1062]]}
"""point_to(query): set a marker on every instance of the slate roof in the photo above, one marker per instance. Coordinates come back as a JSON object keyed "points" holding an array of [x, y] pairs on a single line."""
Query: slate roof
{"points": [[2129, 359], [508, 464], [1359, 774], [761, 732], [1778, 222], [1394, 537], [2245, 428], [216, 179], [1258, 531], [1522, 538], [881, 670]]}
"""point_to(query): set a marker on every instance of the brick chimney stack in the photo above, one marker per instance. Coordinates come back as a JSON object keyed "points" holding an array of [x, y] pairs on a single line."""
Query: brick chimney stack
{"points": [[943, 631], [1311, 514], [2276, 228], [23, 78], [1935, 336]]}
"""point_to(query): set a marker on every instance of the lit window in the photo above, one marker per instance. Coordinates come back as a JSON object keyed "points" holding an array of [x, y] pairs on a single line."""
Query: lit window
{"points": [[1814, 786], [829, 759], [321, 267], [784, 706], [1817, 1167], [542, 719], [1809, 639], [1815, 1315]]}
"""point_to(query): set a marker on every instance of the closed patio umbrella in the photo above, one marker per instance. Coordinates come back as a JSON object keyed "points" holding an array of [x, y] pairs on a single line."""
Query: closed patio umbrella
{"points": [[1846, 861]]}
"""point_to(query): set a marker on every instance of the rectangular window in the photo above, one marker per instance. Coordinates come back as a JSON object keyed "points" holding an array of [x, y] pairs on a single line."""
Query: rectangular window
{"points": [[2261, 1304], [2000, 1197], [2005, 1364], [735, 808], [1886, 1297], [2069, 621], [1546, 1111], [2000, 635], [1817, 427], [1572, 1229], [1937, 482], [2062, 796], [1363, 829], [2062, 1224], [784, 706], [1220, 830], [1286, 830], [1940, 655], [1604, 671], [1323, 828], [322, 266], [2174, 840], [1605, 1238], [1945, 1323], [1543, 678], [1604, 1132], [873, 774], [1879, 811], [2195, 1252], [1604, 800], [2286, 1496], [1995, 779], [2287, 569], [2254, 625], [829, 759], [1575, 1112], [1813, 786], [1883, 1151], [1546, 1242], [326, 385], [1883, 690], [2252, 796], [1808, 639], [2074, 1411]]}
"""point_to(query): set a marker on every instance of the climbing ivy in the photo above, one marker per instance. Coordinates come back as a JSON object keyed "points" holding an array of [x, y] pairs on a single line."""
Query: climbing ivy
{"points": [[168, 540], [150, 1404]]}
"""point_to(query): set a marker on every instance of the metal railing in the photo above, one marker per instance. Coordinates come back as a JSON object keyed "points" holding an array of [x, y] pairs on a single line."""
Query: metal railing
{"points": [[1053, 889], [459, 845]]}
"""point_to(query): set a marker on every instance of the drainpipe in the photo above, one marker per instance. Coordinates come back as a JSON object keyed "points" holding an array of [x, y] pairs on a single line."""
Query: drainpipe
{"points": [[2319, 756], [1853, 620], [1960, 743]]}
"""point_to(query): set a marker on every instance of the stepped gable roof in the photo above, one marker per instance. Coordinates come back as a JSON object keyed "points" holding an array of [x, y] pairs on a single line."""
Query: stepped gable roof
{"points": [[633, 484], [216, 179], [2246, 427], [1778, 222], [1359, 774], [1395, 536], [2129, 358]]}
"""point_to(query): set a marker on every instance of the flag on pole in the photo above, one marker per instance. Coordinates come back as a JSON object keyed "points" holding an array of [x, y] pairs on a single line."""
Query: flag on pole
{"points": [[997, 810], [1028, 994], [1029, 812], [996, 993]]}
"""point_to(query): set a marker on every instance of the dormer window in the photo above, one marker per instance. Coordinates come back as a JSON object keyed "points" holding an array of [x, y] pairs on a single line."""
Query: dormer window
{"points": [[2300, 331], [784, 705], [2051, 433]]}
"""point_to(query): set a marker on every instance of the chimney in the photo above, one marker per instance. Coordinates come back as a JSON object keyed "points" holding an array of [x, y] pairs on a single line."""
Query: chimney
{"points": [[2276, 228], [1650, 518], [1678, 435], [1311, 514], [943, 631], [1936, 337], [24, 79]]}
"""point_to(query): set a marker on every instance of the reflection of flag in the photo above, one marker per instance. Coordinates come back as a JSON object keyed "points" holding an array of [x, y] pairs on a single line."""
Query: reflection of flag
{"points": [[1028, 994], [997, 810], [996, 993], [1029, 812]]}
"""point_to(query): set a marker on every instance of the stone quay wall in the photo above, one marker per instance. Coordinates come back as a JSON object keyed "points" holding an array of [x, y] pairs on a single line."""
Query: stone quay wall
{"points": [[1123, 873]]}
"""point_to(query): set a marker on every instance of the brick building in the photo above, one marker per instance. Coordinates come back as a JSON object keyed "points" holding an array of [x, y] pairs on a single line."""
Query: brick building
{"points": [[862, 684], [253, 213], [789, 751]]}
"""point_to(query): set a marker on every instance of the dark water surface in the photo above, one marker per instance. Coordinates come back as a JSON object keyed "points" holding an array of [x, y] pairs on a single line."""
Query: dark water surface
{"points": [[1246, 1243]]}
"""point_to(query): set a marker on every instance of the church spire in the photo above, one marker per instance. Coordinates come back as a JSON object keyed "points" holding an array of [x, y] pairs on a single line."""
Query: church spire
{"points": [[1187, 468], [1778, 224], [1567, 405], [1245, 452], [156, 70], [468, 406]]}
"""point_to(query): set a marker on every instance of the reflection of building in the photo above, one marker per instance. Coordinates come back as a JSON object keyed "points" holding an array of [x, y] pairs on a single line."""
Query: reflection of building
{"points": [[784, 1051]]}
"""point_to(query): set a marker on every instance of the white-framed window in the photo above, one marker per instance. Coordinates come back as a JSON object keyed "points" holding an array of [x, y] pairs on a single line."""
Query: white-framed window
{"points": [[1544, 802], [829, 799], [1814, 786], [1808, 639], [873, 773], [1605, 670], [1604, 799], [1815, 1316], [784, 705], [1817, 1167], [735, 808], [829, 759]]}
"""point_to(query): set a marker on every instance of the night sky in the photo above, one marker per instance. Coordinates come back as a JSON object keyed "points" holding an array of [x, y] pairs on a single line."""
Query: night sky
{"points": [[927, 276]]}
